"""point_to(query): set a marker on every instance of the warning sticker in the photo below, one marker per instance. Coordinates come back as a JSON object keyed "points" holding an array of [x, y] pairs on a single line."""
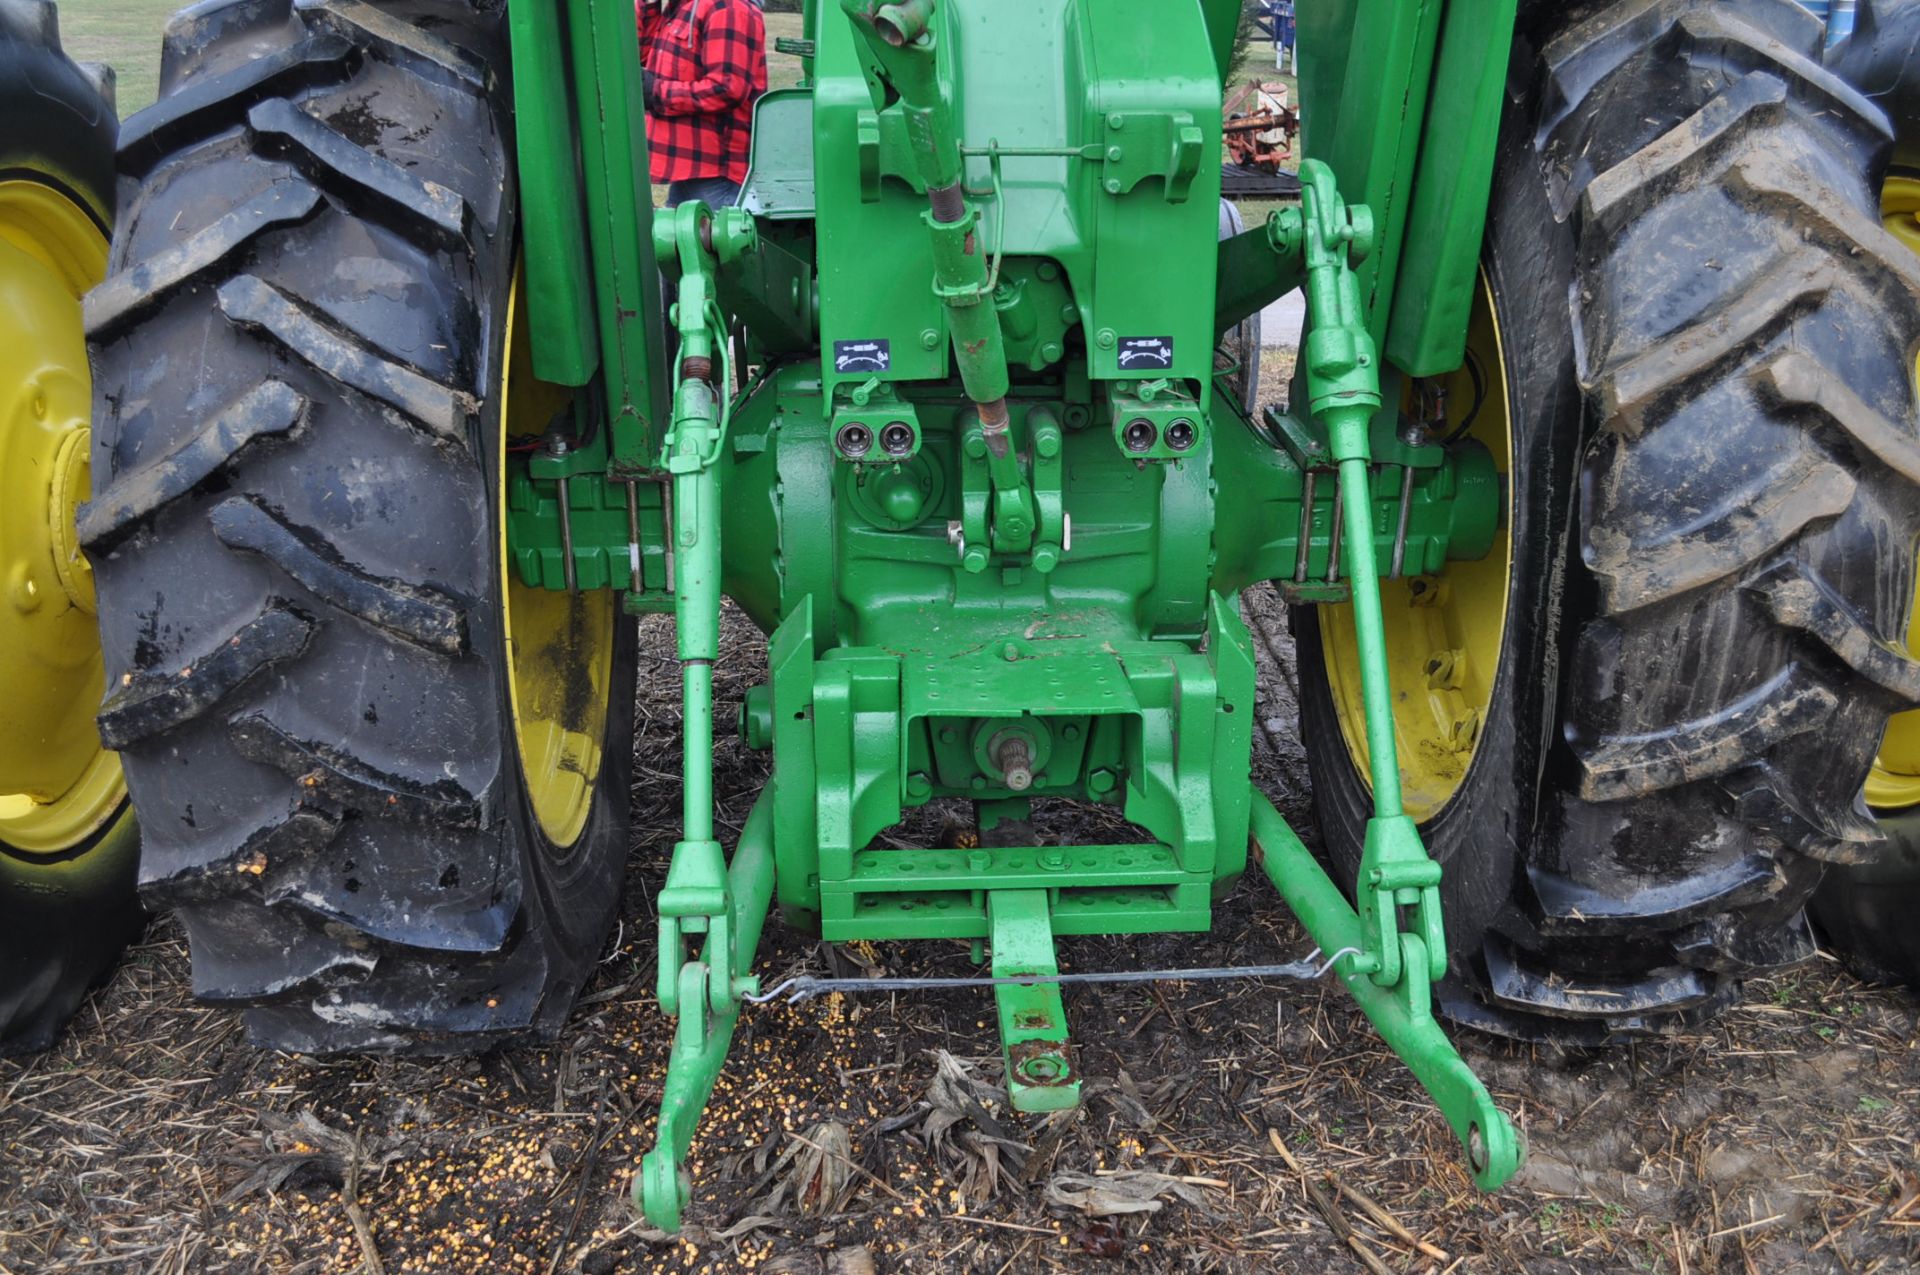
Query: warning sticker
{"points": [[1146, 353], [862, 356]]}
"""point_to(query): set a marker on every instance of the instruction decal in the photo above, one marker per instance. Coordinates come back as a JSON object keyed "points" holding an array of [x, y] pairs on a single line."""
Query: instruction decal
{"points": [[1146, 354], [862, 356]]}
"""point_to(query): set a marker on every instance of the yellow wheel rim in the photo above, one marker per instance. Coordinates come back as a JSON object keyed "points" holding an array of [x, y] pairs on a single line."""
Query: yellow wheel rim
{"points": [[1894, 782], [58, 786], [559, 645], [1443, 632]]}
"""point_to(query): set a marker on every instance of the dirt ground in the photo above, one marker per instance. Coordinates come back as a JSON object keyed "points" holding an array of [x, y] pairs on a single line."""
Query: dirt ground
{"points": [[1247, 1126], [155, 1139]]}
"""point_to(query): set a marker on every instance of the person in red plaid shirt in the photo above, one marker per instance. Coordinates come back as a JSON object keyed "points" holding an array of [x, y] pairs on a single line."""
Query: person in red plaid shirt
{"points": [[704, 65]]}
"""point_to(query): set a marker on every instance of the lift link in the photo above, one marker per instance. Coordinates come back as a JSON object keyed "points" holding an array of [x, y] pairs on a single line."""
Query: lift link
{"points": [[723, 906], [1396, 874], [901, 42]]}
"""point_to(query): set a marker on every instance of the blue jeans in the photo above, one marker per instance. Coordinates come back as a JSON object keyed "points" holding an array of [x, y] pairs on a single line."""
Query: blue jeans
{"points": [[715, 192]]}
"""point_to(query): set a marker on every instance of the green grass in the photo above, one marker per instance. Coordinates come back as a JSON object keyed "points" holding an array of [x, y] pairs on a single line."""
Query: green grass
{"points": [[125, 34], [783, 70]]}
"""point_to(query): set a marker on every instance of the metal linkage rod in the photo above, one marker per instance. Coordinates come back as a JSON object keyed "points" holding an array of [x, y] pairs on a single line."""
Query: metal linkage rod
{"points": [[805, 987]]}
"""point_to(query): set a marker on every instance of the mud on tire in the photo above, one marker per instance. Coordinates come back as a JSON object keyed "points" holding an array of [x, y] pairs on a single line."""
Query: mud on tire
{"points": [[1709, 346], [300, 355]]}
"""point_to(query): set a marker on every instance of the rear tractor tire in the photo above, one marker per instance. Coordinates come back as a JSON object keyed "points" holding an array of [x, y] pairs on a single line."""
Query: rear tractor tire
{"points": [[1870, 913], [1636, 734], [68, 844], [387, 784]]}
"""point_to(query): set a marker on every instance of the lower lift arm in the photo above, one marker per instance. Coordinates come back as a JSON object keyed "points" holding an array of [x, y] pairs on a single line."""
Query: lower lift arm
{"points": [[1394, 970]]}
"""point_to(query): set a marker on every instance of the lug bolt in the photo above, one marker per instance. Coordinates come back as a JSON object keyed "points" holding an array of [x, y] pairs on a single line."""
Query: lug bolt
{"points": [[1464, 730], [26, 591], [1139, 434]]}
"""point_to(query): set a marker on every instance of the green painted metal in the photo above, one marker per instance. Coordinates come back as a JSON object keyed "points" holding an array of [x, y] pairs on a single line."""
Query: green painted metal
{"points": [[1223, 26], [1402, 1014], [706, 901], [1365, 70], [591, 284], [1040, 1070], [618, 199], [1402, 99], [733, 912], [559, 290], [1343, 391], [980, 491], [1433, 293]]}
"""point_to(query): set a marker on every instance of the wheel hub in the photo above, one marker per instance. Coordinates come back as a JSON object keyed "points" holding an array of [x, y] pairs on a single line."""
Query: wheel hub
{"points": [[559, 645], [1443, 633], [57, 784], [1894, 782]]}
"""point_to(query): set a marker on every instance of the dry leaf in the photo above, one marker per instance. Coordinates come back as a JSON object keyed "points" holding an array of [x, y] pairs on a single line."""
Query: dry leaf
{"points": [[1128, 1191], [850, 1261]]}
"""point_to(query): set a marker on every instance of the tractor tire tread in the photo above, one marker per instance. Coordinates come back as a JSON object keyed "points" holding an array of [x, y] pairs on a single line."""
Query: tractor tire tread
{"points": [[162, 700], [1714, 400], [274, 410], [415, 613], [347, 865], [130, 291], [1751, 552], [440, 409], [332, 158]]}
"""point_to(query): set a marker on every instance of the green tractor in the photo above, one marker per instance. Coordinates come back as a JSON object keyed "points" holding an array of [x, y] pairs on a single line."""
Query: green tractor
{"points": [[68, 846], [1593, 498]]}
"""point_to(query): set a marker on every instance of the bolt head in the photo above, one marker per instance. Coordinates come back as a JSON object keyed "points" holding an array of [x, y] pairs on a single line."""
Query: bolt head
{"points": [[26, 591]]}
